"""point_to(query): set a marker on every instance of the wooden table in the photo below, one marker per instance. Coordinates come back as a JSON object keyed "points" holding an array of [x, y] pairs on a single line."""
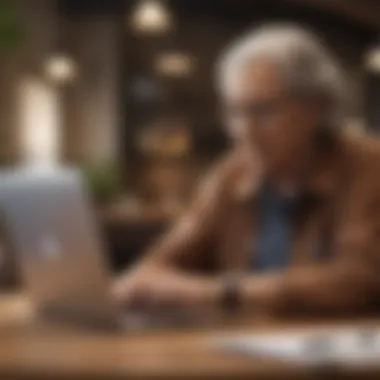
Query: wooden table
{"points": [[29, 349]]}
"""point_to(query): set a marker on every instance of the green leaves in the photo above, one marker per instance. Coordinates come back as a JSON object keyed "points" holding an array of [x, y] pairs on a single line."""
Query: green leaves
{"points": [[11, 34], [104, 181]]}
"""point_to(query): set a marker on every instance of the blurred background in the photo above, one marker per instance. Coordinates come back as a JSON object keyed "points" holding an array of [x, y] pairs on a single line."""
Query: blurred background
{"points": [[125, 90]]}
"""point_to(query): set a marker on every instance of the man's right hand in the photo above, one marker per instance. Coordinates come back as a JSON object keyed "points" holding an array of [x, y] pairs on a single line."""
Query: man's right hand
{"points": [[158, 289]]}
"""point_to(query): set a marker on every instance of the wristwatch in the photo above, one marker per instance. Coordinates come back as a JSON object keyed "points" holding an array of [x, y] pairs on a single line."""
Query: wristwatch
{"points": [[231, 294]]}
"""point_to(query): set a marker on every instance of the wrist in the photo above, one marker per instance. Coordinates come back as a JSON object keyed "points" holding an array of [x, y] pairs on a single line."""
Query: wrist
{"points": [[262, 293], [211, 293], [205, 292]]}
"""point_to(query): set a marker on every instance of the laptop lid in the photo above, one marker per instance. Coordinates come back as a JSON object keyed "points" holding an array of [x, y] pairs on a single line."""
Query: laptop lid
{"points": [[49, 220]]}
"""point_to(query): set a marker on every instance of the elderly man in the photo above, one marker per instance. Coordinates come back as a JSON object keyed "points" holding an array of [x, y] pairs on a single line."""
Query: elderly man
{"points": [[289, 220]]}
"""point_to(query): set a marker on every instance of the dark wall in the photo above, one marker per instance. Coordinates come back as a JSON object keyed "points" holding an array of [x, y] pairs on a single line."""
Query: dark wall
{"points": [[203, 29]]}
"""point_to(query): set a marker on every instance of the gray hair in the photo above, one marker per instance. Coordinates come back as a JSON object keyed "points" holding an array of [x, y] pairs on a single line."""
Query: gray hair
{"points": [[307, 67]]}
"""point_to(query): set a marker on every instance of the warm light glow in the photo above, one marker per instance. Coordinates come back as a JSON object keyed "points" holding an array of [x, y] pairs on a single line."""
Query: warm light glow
{"points": [[39, 122], [151, 16], [60, 69], [373, 60], [175, 64]]}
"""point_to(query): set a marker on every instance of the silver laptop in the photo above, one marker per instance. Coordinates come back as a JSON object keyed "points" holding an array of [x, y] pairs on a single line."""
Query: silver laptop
{"points": [[50, 223]]}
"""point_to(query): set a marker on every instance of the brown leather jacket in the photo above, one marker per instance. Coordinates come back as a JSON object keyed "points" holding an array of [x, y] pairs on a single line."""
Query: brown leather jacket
{"points": [[339, 212]]}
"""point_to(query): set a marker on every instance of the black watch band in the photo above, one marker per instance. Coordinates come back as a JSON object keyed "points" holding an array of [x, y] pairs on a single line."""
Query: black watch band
{"points": [[230, 300]]}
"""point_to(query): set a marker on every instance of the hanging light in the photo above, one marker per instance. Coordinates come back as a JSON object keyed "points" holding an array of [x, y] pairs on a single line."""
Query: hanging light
{"points": [[151, 16], [60, 69], [373, 60]]}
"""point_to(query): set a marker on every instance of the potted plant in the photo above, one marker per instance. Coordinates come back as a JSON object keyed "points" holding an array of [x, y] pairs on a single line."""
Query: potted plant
{"points": [[103, 181]]}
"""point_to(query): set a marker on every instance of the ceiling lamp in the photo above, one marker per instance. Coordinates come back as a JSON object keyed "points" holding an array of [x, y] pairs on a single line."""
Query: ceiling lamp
{"points": [[373, 60], [60, 69], [151, 16]]}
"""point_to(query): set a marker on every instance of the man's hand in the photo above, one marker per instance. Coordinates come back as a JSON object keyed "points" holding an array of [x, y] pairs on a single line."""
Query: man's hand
{"points": [[165, 289]]}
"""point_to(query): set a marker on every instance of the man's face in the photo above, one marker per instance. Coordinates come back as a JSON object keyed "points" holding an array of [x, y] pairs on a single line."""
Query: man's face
{"points": [[262, 117]]}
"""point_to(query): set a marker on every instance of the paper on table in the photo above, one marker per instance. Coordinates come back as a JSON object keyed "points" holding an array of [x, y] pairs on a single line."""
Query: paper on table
{"points": [[344, 347]]}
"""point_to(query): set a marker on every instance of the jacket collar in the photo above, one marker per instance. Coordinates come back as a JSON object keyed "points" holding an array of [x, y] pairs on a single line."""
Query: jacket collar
{"points": [[329, 166], [322, 180]]}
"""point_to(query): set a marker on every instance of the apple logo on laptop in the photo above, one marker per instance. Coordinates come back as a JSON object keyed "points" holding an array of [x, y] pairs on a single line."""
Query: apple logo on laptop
{"points": [[50, 248]]}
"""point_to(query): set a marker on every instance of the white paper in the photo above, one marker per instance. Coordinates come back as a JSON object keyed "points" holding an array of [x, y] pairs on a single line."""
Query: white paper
{"points": [[353, 347]]}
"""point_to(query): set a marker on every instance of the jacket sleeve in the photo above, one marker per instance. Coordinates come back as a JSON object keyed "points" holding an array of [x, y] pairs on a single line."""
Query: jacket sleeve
{"points": [[190, 243], [348, 281]]}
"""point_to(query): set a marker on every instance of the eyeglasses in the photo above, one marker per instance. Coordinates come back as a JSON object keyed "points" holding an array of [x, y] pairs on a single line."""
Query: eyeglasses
{"points": [[260, 111]]}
